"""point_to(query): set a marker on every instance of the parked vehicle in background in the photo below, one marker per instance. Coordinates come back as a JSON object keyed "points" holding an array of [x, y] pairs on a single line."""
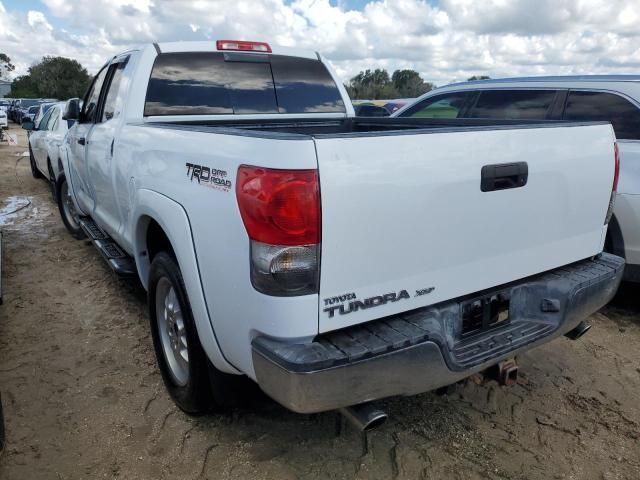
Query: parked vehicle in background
{"points": [[369, 110], [22, 108], [4, 121], [42, 109], [334, 260], [610, 98], [377, 108], [11, 110], [30, 114], [45, 142]]}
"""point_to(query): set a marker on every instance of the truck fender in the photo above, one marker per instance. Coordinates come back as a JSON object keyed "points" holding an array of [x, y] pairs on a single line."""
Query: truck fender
{"points": [[173, 220]]}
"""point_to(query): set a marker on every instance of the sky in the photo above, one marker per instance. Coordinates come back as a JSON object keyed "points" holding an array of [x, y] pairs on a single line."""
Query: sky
{"points": [[444, 40]]}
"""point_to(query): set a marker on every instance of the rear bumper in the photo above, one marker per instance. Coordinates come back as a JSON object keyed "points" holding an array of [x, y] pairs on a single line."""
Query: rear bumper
{"points": [[423, 350]]}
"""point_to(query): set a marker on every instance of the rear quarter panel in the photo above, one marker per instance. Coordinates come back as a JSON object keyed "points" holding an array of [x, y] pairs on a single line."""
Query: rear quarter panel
{"points": [[155, 159]]}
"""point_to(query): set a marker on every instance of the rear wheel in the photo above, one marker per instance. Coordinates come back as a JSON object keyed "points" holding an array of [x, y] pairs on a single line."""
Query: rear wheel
{"points": [[192, 381], [34, 170], [68, 212], [180, 356]]}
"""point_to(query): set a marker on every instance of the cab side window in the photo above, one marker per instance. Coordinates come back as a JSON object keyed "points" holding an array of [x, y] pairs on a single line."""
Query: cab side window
{"points": [[449, 105], [608, 107], [91, 99], [513, 104]]}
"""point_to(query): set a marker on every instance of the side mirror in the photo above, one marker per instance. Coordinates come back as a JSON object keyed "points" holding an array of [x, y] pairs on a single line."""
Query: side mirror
{"points": [[72, 110], [28, 125]]}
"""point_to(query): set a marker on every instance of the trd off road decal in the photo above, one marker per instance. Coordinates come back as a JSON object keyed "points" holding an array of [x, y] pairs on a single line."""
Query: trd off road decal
{"points": [[209, 177], [348, 303]]}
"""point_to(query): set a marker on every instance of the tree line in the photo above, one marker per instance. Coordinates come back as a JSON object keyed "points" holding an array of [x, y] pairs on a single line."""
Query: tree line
{"points": [[377, 84], [51, 77]]}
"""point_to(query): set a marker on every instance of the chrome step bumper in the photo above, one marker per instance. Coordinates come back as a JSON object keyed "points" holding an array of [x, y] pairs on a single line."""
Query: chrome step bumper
{"points": [[423, 349]]}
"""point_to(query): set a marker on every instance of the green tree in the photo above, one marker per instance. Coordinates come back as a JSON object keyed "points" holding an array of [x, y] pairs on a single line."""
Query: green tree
{"points": [[23, 87], [59, 77], [478, 77], [376, 84], [6, 67], [409, 83], [371, 85]]}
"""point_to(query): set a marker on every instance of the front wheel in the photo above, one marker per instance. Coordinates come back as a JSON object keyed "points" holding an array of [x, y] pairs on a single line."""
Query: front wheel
{"points": [[68, 212], [34, 169]]}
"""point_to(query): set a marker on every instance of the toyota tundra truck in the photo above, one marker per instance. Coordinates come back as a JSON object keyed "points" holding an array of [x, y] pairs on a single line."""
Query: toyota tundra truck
{"points": [[331, 259]]}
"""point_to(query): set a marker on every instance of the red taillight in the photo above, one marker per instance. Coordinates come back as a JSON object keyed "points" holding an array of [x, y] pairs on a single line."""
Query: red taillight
{"points": [[243, 46], [616, 173], [279, 207]]}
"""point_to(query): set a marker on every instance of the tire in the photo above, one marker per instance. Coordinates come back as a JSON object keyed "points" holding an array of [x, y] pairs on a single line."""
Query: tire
{"points": [[180, 356], [197, 387], [34, 170], [52, 180], [67, 209]]}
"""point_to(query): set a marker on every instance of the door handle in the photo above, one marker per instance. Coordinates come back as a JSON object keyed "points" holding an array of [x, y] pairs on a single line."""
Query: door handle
{"points": [[82, 141], [503, 176]]}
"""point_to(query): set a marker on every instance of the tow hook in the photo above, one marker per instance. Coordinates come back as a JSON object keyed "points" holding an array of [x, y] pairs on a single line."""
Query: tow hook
{"points": [[580, 330], [508, 372]]}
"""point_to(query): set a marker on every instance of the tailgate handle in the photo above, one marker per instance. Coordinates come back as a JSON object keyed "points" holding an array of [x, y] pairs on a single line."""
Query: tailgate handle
{"points": [[503, 176]]}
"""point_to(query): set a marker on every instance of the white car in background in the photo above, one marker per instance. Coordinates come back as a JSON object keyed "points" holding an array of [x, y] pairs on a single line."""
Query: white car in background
{"points": [[43, 108], [4, 122], [612, 98], [45, 141]]}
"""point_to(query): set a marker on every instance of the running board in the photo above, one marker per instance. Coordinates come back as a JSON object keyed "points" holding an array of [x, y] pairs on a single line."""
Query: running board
{"points": [[116, 258]]}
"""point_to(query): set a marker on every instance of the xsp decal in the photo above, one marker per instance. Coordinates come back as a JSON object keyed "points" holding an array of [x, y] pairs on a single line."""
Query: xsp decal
{"points": [[209, 177]]}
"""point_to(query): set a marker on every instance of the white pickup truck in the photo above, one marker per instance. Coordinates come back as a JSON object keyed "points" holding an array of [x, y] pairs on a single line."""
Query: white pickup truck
{"points": [[333, 260]]}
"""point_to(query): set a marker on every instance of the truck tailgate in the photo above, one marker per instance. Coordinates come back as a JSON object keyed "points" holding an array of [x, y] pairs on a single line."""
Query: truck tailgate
{"points": [[406, 224]]}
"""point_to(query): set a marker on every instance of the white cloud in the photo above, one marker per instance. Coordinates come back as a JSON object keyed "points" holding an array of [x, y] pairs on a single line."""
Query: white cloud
{"points": [[451, 41]]}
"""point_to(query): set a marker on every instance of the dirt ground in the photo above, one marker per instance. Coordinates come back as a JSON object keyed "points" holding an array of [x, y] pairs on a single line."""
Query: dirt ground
{"points": [[83, 399]]}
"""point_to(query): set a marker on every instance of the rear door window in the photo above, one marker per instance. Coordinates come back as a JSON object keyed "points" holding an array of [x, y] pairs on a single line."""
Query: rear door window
{"points": [[601, 106], [448, 105], [213, 83], [513, 104]]}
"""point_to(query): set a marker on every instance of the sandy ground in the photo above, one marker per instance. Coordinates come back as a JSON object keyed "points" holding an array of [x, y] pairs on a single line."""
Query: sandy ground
{"points": [[83, 398]]}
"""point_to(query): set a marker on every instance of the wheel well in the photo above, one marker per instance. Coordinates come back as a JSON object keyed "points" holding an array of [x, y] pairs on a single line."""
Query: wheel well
{"points": [[613, 242], [156, 240]]}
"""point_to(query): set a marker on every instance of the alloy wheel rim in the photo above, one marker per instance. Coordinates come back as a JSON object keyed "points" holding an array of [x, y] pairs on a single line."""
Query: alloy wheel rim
{"points": [[172, 331]]}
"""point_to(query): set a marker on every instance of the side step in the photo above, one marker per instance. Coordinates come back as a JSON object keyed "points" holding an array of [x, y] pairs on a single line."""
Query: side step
{"points": [[116, 258]]}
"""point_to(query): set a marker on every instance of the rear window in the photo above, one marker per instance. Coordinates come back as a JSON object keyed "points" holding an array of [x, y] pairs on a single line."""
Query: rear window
{"points": [[214, 83], [513, 104], [594, 106]]}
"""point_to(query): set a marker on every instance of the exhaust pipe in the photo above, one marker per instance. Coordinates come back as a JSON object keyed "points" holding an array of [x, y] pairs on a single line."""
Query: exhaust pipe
{"points": [[365, 417], [582, 328]]}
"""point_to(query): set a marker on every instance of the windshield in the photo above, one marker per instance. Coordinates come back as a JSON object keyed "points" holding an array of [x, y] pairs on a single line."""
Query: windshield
{"points": [[29, 102]]}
